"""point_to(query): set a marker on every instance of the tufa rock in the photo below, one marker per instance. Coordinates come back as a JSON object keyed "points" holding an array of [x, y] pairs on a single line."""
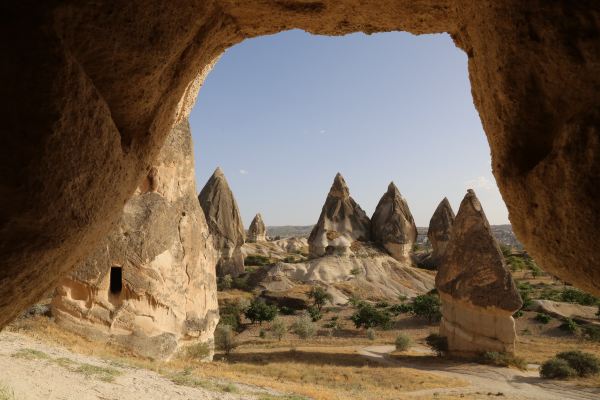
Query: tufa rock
{"points": [[477, 291], [341, 222], [225, 224], [257, 231], [393, 226], [151, 284], [440, 228]]}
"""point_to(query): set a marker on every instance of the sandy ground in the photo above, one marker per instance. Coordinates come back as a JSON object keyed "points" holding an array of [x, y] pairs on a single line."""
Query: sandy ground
{"points": [[53, 374], [483, 379]]}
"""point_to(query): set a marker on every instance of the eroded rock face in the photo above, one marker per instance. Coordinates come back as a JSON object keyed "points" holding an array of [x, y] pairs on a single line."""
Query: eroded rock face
{"points": [[440, 229], [393, 226], [257, 231], [478, 293], [341, 222], [151, 284], [225, 223], [533, 67]]}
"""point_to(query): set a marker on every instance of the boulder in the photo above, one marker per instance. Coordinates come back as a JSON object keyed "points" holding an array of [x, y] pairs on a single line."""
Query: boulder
{"points": [[341, 222], [440, 228], [151, 284], [393, 226], [225, 223], [257, 231], [477, 291]]}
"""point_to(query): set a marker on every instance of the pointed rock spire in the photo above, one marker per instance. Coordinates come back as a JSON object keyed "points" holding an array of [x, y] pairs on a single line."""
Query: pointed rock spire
{"points": [[257, 231], [225, 224], [440, 229], [341, 222], [478, 293], [393, 226]]}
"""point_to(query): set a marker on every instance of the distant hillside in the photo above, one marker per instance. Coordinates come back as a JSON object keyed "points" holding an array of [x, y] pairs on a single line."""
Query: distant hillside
{"points": [[503, 233]]}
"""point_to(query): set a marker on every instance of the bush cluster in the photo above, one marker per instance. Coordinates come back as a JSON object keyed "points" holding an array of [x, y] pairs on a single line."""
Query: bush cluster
{"points": [[257, 260], [570, 363], [501, 359], [368, 316], [427, 306], [402, 342], [259, 311], [543, 318], [304, 327]]}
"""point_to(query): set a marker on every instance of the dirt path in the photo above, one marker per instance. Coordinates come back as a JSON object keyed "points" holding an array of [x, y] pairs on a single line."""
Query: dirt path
{"points": [[34, 370], [483, 379]]}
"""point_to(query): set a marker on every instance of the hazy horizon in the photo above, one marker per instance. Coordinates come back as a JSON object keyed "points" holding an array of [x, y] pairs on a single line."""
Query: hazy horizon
{"points": [[282, 114]]}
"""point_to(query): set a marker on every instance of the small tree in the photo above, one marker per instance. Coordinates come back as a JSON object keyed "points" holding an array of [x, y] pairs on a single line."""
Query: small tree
{"points": [[368, 316], [304, 327], [278, 328], [259, 311], [319, 297], [225, 338], [226, 282], [315, 313], [402, 342], [427, 306]]}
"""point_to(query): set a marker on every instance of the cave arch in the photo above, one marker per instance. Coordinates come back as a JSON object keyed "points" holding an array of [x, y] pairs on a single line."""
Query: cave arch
{"points": [[90, 92]]}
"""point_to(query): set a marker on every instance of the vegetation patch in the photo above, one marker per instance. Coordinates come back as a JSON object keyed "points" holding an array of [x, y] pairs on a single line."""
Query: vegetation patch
{"points": [[6, 393], [501, 359], [105, 374], [402, 342], [438, 343]]}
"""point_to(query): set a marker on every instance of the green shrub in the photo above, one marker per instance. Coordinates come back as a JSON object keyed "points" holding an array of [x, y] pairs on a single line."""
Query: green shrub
{"points": [[371, 334], [402, 342], [304, 327], [438, 343], [225, 338], [241, 283], [569, 326], [585, 364], [262, 333], [592, 333], [369, 317], [319, 296], [198, 351], [231, 314], [503, 360], [285, 310], [401, 308], [355, 271], [278, 328], [572, 295], [257, 260], [225, 282], [382, 304], [543, 318], [518, 314], [556, 368], [427, 306], [315, 313], [259, 311]]}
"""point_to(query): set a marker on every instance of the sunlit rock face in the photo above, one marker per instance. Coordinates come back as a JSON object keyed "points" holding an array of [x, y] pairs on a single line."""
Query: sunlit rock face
{"points": [[257, 231], [341, 222], [151, 284], [440, 229], [477, 291], [393, 226], [225, 223]]}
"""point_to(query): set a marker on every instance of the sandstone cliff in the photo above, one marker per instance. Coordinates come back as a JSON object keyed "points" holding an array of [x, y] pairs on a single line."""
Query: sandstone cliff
{"points": [[393, 226], [151, 284], [341, 222], [478, 293], [440, 229], [257, 231], [225, 224]]}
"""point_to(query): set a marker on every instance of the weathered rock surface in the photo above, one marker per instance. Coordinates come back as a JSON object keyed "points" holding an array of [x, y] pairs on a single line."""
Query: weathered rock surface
{"points": [[478, 293], [225, 223], [533, 68], [257, 231], [440, 229], [151, 284], [277, 249], [341, 223], [368, 273], [393, 226]]}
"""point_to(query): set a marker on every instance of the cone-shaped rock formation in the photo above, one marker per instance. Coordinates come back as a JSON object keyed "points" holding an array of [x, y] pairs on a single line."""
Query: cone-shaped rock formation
{"points": [[478, 293], [440, 228], [225, 224], [393, 226], [150, 285], [257, 231], [341, 222]]}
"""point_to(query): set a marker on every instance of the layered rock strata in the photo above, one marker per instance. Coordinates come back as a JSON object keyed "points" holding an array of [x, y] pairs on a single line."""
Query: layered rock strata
{"points": [[224, 222], [341, 222], [257, 231], [150, 285], [440, 229], [477, 291], [393, 226]]}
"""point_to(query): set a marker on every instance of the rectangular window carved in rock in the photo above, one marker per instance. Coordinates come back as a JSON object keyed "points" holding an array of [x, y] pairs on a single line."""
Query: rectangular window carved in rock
{"points": [[116, 280]]}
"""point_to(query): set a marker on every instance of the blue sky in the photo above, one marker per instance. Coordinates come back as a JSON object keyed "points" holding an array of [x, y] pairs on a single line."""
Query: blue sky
{"points": [[282, 114]]}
